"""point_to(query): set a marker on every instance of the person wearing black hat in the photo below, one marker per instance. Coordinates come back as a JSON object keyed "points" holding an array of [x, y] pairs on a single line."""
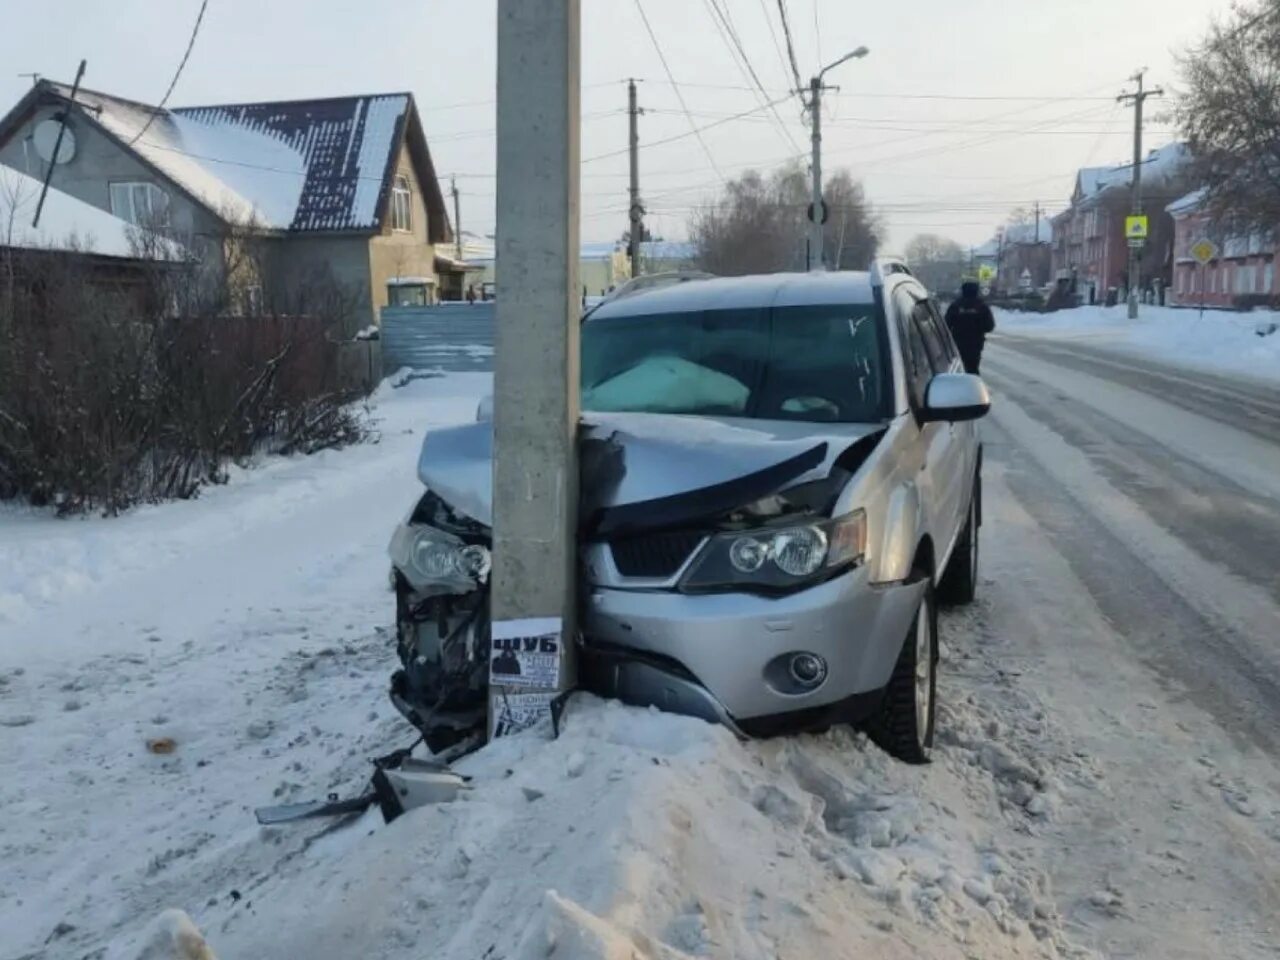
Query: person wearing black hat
{"points": [[970, 320]]}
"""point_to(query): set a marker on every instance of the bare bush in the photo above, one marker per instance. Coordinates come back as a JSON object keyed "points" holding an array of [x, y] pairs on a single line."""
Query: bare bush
{"points": [[130, 381]]}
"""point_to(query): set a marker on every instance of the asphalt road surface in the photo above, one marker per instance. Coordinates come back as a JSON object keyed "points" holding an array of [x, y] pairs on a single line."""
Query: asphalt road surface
{"points": [[1178, 543]]}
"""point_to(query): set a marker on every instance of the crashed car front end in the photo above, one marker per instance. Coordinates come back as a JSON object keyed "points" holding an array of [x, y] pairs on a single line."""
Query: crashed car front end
{"points": [[731, 587], [440, 573]]}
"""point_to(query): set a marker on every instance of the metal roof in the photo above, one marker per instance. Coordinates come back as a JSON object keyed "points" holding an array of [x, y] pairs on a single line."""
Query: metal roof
{"points": [[303, 165]]}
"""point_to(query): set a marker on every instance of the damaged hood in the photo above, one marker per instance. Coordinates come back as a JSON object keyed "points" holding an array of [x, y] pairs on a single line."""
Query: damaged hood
{"points": [[634, 463]]}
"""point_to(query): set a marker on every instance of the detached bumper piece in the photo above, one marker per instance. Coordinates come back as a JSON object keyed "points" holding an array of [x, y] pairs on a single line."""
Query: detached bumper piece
{"points": [[400, 783]]}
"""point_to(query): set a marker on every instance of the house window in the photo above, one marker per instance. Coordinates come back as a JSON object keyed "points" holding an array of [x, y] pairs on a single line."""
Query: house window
{"points": [[408, 294], [400, 200], [142, 204], [1268, 277]]}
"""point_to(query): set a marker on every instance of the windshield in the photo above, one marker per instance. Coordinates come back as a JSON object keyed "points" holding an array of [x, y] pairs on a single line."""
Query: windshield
{"points": [[821, 364]]}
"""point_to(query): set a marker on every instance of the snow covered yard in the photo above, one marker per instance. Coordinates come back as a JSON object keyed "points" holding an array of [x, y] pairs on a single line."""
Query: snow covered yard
{"points": [[1221, 341]]}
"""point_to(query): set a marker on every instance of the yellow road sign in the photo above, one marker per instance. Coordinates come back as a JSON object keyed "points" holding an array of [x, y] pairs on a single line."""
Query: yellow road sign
{"points": [[986, 272], [1204, 251], [1135, 228]]}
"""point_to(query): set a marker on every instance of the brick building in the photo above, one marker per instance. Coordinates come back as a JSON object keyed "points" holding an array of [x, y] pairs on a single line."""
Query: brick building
{"points": [[1090, 252], [1244, 267]]}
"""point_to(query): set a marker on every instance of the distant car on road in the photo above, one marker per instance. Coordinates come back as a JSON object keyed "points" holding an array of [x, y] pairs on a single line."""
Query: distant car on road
{"points": [[781, 475]]}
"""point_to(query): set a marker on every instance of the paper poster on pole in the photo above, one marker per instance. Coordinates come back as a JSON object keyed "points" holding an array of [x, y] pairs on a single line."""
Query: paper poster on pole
{"points": [[526, 653], [513, 712]]}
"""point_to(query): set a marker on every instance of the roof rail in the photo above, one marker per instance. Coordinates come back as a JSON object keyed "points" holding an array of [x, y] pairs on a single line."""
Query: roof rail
{"points": [[883, 267], [652, 281]]}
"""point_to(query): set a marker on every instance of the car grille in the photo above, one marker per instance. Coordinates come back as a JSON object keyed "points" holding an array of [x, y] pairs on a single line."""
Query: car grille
{"points": [[657, 555]]}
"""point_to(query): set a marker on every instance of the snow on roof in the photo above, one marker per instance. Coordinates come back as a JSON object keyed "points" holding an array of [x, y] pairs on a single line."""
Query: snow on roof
{"points": [[599, 250], [1029, 232], [476, 248], [65, 222], [668, 250], [1189, 202], [301, 165], [1162, 164]]}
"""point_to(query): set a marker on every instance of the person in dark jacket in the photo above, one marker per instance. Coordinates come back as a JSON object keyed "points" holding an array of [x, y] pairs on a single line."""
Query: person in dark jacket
{"points": [[970, 320]]}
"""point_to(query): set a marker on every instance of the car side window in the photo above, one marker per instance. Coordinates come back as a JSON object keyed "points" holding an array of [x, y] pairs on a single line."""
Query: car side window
{"points": [[915, 356], [935, 342], [940, 321]]}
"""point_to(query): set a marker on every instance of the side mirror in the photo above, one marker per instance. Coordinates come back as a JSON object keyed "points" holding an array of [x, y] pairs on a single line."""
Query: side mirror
{"points": [[485, 410], [953, 397]]}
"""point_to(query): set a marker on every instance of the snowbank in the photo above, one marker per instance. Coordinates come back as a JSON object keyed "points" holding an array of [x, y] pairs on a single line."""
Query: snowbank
{"points": [[644, 835], [1222, 341]]}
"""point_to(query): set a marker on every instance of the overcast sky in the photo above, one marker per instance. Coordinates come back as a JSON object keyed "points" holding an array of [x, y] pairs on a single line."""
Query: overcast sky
{"points": [[929, 162]]}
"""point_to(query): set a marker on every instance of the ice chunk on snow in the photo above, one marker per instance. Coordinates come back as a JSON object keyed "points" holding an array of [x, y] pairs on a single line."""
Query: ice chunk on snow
{"points": [[172, 936]]}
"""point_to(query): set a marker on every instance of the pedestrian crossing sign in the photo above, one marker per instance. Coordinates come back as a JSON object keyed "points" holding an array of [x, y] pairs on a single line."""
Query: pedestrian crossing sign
{"points": [[1135, 228]]}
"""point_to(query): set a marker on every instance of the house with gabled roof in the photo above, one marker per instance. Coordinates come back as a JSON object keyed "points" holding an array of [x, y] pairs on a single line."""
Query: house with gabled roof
{"points": [[342, 187]]}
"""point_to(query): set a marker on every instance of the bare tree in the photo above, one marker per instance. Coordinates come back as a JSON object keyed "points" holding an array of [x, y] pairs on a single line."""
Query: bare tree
{"points": [[759, 224], [938, 262], [1229, 111]]}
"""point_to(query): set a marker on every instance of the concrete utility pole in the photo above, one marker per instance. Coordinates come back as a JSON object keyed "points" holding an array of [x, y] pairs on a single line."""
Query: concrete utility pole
{"points": [[817, 209], [636, 210], [535, 410], [457, 216], [1135, 253], [1037, 221]]}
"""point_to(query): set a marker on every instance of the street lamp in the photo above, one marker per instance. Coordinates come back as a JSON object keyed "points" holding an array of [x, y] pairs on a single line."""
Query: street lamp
{"points": [[817, 210]]}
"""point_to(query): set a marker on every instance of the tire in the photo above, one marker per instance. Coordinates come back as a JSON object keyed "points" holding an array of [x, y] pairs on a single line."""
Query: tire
{"points": [[904, 728], [959, 584]]}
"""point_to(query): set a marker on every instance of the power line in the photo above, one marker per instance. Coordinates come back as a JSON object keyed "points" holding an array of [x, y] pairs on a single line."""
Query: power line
{"points": [[676, 87], [1047, 98], [696, 131], [877, 123], [732, 40], [204, 4], [777, 46], [791, 47]]}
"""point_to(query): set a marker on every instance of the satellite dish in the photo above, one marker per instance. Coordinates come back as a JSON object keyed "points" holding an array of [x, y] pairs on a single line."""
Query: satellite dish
{"points": [[45, 138]]}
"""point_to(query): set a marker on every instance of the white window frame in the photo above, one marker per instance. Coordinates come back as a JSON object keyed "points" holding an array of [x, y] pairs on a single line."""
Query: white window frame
{"points": [[139, 202], [401, 204]]}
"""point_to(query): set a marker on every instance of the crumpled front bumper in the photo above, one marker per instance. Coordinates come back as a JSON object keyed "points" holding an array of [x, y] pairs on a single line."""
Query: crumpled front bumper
{"points": [[709, 655]]}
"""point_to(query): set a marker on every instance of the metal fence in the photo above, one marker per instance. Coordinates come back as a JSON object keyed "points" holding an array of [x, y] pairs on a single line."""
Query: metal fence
{"points": [[448, 336]]}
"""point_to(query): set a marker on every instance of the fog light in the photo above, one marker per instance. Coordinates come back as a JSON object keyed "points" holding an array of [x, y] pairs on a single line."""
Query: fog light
{"points": [[808, 669]]}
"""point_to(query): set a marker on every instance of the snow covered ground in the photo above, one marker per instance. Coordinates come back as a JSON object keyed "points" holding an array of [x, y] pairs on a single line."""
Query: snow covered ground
{"points": [[1221, 341], [1080, 804]]}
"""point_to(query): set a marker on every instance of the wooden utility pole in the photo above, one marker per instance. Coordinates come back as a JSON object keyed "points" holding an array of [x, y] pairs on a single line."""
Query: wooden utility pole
{"points": [[1135, 252], [57, 145], [636, 209], [457, 216], [535, 410]]}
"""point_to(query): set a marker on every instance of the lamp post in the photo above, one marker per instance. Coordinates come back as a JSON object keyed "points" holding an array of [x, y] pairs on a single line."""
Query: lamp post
{"points": [[817, 210]]}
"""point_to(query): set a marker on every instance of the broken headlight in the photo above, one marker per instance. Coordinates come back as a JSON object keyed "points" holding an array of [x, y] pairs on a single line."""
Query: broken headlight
{"points": [[780, 557], [433, 561]]}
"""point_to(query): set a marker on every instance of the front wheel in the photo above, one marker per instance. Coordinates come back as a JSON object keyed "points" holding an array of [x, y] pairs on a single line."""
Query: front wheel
{"points": [[904, 728], [959, 584]]}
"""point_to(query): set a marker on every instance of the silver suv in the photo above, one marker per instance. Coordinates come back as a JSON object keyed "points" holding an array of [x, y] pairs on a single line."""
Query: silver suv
{"points": [[780, 476]]}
